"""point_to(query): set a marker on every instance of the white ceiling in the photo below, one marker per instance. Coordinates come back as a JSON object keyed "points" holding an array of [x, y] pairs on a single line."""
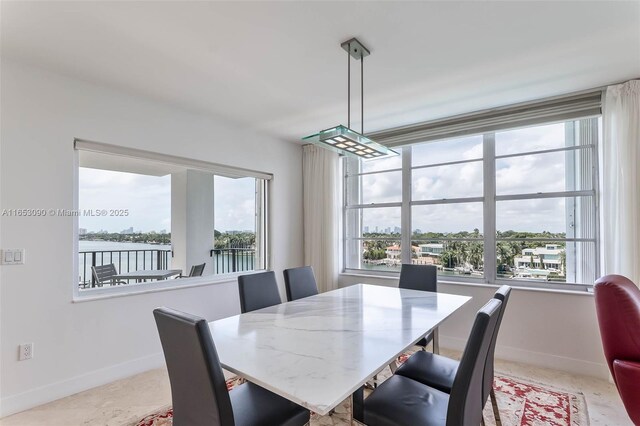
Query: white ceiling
{"points": [[278, 67]]}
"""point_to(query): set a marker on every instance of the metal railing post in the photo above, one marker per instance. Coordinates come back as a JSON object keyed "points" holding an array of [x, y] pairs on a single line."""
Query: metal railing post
{"points": [[93, 263]]}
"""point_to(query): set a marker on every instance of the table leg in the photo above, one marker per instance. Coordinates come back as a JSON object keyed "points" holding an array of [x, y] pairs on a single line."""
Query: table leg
{"points": [[436, 341], [357, 407]]}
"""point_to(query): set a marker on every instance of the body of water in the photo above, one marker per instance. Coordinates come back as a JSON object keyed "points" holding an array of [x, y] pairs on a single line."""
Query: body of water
{"points": [[114, 245]]}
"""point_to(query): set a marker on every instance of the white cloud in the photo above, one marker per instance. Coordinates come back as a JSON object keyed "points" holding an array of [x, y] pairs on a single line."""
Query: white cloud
{"points": [[530, 139], [234, 204], [147, 198], [381, 188]]}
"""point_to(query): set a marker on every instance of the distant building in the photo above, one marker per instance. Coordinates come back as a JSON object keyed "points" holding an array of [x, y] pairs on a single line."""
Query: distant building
{"points": [[82, 231], [547, 257], [428, 254], [393, 252], [163, 231], [127, 231], [431, 249], [396, 229], [366, 229]]}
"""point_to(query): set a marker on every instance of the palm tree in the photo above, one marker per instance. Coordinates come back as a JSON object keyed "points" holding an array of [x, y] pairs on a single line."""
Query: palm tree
{"points": [[447, 257], [563, 261], [475, 256], [505, 254], [463, 253]]}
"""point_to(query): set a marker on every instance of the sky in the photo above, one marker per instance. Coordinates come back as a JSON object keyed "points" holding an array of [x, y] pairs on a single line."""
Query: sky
{"points": [[148, 200], [514, 175]]}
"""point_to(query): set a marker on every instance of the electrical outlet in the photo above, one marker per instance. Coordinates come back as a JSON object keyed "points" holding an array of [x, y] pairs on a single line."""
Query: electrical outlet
{"points": [[26, 351]]}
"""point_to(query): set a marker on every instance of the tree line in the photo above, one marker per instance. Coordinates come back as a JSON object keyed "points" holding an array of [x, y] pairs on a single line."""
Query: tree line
{"points": [[457, 253], [221, 240], [137, 237]]}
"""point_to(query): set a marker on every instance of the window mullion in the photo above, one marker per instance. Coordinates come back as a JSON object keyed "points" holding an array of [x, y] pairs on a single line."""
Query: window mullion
{"points": [[405, 209], [489, 206]]}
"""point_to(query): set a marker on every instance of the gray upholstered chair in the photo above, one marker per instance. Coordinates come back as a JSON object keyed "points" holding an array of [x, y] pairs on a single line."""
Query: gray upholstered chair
{"points": [[300, 282], [439, 372], [196, 271], [423, 278], [198, 389], [258, 291], [404, 401], [103, 274]]}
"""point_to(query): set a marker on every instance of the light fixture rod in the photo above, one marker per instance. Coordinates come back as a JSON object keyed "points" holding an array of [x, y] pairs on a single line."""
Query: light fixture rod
{"points": [[349, 86], [357, 51]]}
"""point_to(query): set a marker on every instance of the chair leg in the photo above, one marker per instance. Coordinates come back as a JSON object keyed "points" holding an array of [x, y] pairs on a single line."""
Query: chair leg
{"points": [[494, 404], [372, 383], [436, 341]]}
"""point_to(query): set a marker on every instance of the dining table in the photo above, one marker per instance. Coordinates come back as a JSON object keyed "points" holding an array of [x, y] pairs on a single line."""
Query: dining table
{"points": [[319, 350], [150, 274]]}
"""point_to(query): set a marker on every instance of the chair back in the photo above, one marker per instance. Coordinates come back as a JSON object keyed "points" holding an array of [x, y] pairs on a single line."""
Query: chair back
{"points": [[618, 308], [465, 401], [198, 389], [258, 291], [103, 273], [300, 282], [197, 270], [502, 295], [419, 277]]}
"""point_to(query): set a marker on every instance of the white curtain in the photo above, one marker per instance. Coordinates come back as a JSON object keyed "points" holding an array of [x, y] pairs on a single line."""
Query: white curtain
{"points": [[321, 207], [620, 181]]}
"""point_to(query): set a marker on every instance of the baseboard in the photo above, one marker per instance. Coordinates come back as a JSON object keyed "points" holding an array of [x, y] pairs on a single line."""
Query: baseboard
{"points": [[38, 396], [539, 359]]}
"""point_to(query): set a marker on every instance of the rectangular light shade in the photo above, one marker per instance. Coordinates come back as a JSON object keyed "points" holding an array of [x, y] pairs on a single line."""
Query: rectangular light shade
{"points": [[345, 141]]}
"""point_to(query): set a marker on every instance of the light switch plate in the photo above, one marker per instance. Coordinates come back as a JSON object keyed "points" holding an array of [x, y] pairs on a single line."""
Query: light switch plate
{"points": [[12, 257]]}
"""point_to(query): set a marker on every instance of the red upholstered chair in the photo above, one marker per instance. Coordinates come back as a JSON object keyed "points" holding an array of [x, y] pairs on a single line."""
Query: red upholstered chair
{"points": [[618, 307]]}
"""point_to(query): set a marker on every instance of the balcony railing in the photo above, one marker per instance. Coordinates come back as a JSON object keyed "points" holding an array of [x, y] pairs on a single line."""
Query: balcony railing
{"points": [[227, 260], [124, 260]]}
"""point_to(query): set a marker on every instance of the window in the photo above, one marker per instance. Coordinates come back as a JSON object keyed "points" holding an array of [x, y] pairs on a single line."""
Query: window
{"points": [[372, 218], [517, 205], [238, 227], [145, 220]]}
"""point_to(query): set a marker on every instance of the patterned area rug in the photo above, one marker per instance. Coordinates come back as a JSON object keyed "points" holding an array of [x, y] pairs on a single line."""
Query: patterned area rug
{"points": [[521, 403]]}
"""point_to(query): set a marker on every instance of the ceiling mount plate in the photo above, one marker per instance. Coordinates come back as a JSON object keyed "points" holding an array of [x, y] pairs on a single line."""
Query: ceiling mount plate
{"points": [[355, 48]]}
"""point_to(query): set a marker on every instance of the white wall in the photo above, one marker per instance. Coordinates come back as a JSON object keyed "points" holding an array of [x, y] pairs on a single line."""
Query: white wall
{"points": [[81, 345], [548, 329]]}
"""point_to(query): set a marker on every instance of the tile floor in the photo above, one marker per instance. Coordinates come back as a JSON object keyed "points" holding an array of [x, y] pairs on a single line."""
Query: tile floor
{"points": [[125, 401]]}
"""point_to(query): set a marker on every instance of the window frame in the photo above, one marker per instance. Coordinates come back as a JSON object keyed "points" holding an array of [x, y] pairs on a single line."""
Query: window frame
{"points": [[489, 201], [263, 193]]}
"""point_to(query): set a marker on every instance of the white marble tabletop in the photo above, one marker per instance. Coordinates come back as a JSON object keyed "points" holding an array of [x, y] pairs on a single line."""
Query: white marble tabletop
{"points": [[317, 351]]}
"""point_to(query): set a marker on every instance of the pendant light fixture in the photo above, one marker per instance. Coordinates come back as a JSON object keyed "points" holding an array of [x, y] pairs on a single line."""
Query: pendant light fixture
{"points": [[343, 139]]}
